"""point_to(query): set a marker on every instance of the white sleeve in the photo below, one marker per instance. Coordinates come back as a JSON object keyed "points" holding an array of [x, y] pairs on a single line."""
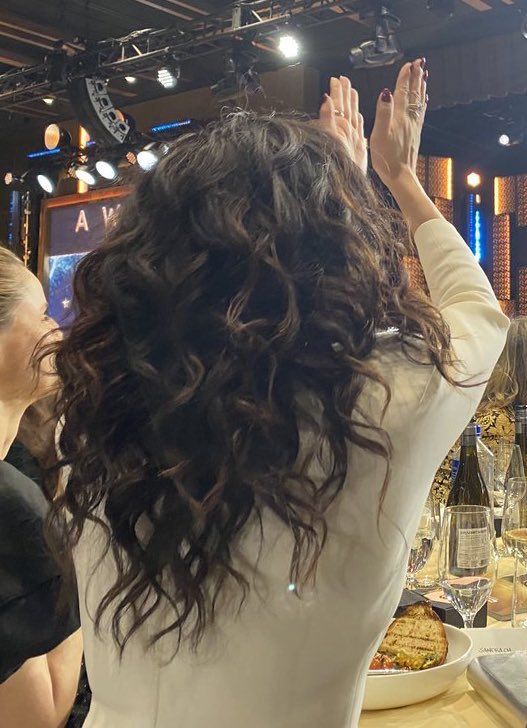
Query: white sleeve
{"points": [[463, 294]]}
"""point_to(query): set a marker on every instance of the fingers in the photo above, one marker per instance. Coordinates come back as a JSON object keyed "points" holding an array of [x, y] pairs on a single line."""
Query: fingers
{"points": [[402, 85], [351, 101], [335, 92], [416, 77], [383, 115]]}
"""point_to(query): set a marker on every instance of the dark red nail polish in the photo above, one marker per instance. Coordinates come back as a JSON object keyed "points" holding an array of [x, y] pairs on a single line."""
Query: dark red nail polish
{"points": [[386, 95]]}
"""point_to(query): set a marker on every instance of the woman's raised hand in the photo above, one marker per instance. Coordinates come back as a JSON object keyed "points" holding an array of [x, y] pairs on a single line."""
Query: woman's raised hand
{"points": [[339, 116], [396, 136]]}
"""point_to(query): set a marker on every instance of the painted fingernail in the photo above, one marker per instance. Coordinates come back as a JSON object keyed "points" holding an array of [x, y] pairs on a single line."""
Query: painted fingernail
{"points": [[425, 75], [386, 95], [423, 62]]}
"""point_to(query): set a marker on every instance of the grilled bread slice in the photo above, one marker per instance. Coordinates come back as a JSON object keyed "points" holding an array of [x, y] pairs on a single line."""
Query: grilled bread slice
{"points": [[417, 639]]}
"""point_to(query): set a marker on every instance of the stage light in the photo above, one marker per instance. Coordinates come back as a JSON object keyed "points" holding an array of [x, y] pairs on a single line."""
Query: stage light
{"points": [[147, 158], [46, 182], [168, 75], [48, 100], [130, 79], [289, 46], [85, 174], [55, 136], [131, 158], [473, 179], [385, 49], [106, 169], [9, 178], [504, 140]]}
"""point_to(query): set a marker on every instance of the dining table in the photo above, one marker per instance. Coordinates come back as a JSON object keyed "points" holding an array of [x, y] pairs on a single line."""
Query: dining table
{"points": [[460, 706]]}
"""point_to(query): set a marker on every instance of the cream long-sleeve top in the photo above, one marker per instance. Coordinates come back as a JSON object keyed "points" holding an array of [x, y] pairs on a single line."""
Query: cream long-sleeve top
{"points": [[285, 662]]}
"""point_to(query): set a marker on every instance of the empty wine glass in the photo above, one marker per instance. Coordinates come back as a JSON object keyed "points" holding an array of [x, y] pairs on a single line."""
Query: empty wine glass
{"points": [[423, 543], [508, 463], [468, 559]]}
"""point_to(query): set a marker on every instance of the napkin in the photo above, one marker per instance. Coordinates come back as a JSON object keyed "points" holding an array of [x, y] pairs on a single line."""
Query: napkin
{"points": [[501, 680]]}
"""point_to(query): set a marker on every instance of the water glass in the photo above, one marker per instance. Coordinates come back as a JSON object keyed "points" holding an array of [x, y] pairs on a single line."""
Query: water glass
{"points": [[468, 560], [423, 545], [508, 463]]}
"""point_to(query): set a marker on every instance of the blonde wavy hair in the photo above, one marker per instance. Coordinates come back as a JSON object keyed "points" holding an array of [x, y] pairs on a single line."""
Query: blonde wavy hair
{"points": [[10, 288], [508, 382]]}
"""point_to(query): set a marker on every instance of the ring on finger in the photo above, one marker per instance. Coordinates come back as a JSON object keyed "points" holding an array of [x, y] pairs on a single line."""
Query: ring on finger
{"points": [[338, 112], [415, 110]]}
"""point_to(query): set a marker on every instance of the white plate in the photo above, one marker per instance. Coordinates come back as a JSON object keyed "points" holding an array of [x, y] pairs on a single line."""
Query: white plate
{"points": [[407, 688]]}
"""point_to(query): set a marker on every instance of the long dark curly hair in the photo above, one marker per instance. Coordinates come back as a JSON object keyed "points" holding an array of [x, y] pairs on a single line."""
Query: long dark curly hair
{"points": [[254, 264]]}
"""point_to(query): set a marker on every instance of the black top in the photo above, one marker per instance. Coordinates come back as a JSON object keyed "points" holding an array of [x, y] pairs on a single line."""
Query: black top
{"points": [[30, 581]]}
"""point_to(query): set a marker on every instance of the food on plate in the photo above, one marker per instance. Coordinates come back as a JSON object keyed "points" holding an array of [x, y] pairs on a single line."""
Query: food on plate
{"points": [[414, 641]]}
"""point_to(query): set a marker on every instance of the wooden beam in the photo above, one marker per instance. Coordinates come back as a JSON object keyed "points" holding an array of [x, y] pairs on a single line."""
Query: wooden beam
{"points": [[17, 60], [478, 5], [23, 38], [192, 8], [164, 9], [15, 22]]}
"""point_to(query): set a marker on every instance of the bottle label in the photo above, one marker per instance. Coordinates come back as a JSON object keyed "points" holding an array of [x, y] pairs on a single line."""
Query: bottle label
{"points": [[473, 548]]}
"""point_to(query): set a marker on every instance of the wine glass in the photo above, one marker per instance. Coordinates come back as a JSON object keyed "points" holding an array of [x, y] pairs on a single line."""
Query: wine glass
{"points": [[468, 559], [514, 535], [423, 543], [508, 463]]}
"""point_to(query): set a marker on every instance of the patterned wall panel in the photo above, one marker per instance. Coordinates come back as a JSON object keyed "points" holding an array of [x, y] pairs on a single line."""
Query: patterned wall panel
{"points": [[415, 272], [504, 195], [508, 307], [521, 200], [421, 169], [501, 249], [522, 291], [440, 177], [445, 207]]}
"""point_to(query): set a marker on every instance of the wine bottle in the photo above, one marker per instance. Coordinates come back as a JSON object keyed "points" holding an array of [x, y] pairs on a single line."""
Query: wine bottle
{"points": [[469, 487], [470, 550]]}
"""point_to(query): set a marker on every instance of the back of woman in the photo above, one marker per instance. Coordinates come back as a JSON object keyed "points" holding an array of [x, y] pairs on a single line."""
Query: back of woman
{"points": [[249, 452]]}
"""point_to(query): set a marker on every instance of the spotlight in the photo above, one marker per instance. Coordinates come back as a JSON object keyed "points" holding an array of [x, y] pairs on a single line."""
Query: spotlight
{"points": [[504, 140], [147, 158], [106, 169], [168, 75], [289, 46], [46, 182], [85, 174], [385, 49], [48, 100], [239, 75], [130, 79], [9, 178], [55, 136], [473, 179]]}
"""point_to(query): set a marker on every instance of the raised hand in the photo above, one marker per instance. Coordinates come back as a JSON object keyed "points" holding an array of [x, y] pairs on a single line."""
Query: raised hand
{"points": [[396, 136], [339, 116]]}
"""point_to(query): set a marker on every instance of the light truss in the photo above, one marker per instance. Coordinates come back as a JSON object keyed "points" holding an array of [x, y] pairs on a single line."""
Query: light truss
{"points": [[142, 51]]}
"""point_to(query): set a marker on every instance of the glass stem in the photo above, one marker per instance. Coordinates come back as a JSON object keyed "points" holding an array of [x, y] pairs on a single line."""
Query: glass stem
{"points": [[468, 621]]}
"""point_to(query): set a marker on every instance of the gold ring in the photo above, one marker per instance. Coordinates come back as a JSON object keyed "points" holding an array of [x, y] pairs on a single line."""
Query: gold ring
{"points": [[338, 112]]}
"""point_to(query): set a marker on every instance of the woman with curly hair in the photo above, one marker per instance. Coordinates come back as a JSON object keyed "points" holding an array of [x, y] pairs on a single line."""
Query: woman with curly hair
{"points": [[255, 402]]}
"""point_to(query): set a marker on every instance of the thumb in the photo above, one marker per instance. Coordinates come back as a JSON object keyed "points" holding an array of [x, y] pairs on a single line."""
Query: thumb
{"points": [[383, 115]]}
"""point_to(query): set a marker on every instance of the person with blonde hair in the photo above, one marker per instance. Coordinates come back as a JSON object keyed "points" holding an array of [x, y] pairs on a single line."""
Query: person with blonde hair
{"points": [[507, 387], [40, 645]]}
